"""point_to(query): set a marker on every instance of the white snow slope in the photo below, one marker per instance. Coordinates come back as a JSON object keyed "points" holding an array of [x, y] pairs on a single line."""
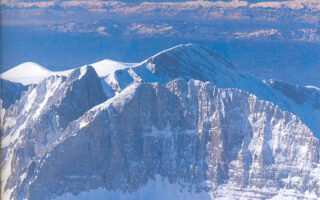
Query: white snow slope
{"points": [[32, 73]]}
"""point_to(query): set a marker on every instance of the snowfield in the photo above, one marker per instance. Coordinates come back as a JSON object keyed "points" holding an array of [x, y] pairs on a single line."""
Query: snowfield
{"points": [[32, 73]]}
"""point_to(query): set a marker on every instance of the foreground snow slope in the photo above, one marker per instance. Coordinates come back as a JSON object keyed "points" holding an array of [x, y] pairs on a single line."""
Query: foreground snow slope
{"points": [[183, 120]]}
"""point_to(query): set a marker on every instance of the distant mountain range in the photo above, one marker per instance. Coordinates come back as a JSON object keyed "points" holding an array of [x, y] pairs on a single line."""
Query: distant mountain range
{"points": [[303, 11]]}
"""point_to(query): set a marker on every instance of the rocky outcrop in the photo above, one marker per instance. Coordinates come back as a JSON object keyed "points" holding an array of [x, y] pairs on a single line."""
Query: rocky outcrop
{"points": [[202, 137], [42, 114], [10, 92]]}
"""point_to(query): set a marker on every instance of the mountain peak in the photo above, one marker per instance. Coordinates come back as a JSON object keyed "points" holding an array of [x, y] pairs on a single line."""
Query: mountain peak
{"points": [[188, 61], [43, 112], [82, 72], [31, 68], [191, 52], [107, 66], [192, 61], [26, 73]]}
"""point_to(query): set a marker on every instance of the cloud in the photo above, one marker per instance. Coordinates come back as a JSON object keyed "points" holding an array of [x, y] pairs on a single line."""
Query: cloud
{"points": [[179, 6], [101, 31], [207, 10]]}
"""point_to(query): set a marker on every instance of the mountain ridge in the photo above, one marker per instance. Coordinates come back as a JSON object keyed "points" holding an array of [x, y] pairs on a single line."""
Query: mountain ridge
{"points": [[216, 135], [192, 61], [116, 110], [196, 62]]}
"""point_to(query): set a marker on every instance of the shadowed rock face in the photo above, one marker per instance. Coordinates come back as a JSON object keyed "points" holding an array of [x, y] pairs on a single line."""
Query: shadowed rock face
{"points": [[10, 92], [192, 133], [298, 94], [42, 114]]}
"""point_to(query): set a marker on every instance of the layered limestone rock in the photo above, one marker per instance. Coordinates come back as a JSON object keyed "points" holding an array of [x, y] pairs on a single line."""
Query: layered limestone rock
{"points": [[203, 138]]}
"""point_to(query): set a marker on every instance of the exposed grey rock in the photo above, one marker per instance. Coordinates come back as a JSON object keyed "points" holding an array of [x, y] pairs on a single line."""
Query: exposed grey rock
{"points": [[193, 133], [10, 92], [193, 61], [42, 114]]}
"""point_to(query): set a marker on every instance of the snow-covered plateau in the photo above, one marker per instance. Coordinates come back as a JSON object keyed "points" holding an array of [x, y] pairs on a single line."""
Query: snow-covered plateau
{"points": [[183, 124]]}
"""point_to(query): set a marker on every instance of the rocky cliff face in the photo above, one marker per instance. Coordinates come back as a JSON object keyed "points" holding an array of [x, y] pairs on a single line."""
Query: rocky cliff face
{"points": [[41, 115], [191, 133], [65, 137], [10, 92], [200, 63]]}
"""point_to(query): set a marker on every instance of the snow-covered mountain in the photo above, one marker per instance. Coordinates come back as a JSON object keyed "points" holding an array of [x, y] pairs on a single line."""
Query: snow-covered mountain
{"points": [[183, 124], [200, 63], [32, 73], [42, 114], [26, 73]]}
